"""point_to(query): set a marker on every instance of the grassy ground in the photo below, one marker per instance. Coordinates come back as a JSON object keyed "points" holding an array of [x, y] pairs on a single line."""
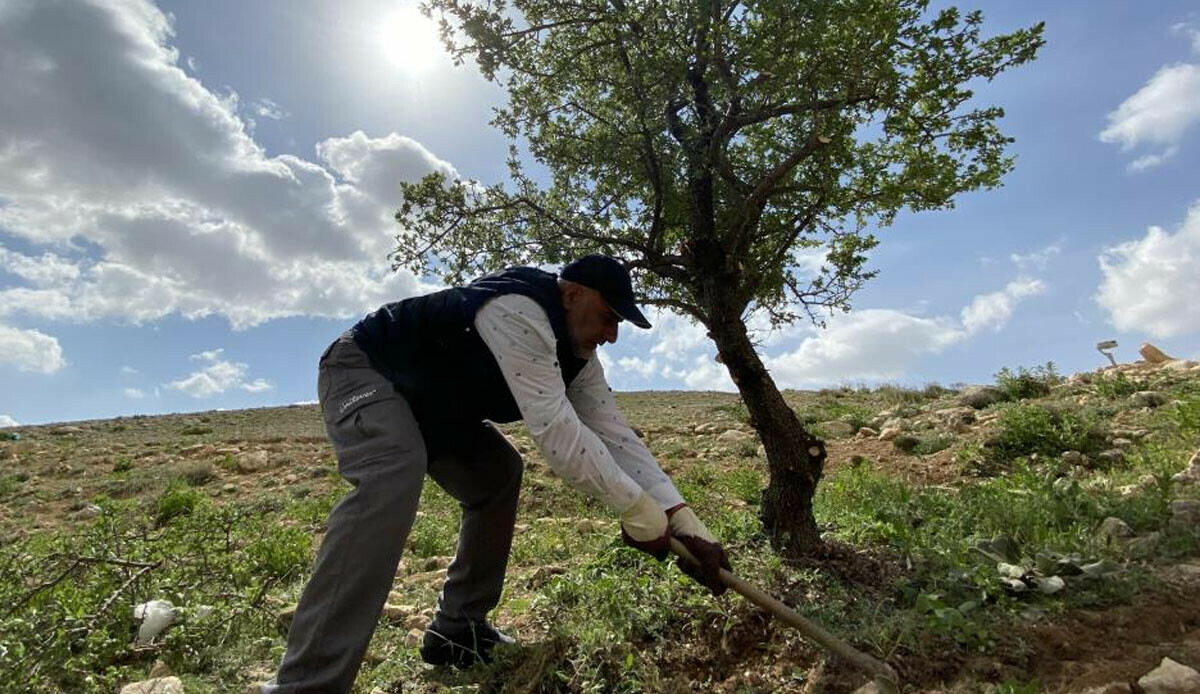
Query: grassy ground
{"points": [[220, 513]]}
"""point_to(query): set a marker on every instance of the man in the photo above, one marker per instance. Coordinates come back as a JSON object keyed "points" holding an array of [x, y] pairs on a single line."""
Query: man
{"points": [[412, 390]]}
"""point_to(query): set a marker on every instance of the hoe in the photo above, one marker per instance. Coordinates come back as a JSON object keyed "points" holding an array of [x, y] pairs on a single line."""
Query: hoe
{"points": [[885, 677]]}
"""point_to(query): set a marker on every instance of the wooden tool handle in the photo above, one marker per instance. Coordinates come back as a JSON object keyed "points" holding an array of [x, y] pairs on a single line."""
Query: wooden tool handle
{"points": [[885, 676]]}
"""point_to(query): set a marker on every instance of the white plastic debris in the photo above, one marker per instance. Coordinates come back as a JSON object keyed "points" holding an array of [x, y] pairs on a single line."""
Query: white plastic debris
{"points": [[155, 616]]}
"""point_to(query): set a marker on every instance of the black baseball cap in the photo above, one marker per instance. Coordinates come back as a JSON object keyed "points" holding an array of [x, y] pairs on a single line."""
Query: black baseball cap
{"points": [[609, 277]]}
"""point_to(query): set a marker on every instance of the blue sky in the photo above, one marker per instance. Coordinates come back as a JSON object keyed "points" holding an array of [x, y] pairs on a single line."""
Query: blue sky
{"points": [[195, 198]]}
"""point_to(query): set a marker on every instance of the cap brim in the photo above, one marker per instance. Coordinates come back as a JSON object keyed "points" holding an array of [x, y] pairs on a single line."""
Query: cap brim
{"points": [[630, 312]]}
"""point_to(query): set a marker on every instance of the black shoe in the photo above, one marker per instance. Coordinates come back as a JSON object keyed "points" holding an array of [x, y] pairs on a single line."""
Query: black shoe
{"points": [[461, 646]]}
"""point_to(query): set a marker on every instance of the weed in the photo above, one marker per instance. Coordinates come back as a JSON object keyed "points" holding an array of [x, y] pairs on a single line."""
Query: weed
{"points": [[1025, 383], [928, 444], [176, 500], [123, 464], [1116, 387], [1027, 428], [198, 474], [195, 431]]}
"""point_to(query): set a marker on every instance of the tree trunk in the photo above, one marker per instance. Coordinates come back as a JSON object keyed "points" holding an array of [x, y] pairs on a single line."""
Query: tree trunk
{"points": [[795, 458]]}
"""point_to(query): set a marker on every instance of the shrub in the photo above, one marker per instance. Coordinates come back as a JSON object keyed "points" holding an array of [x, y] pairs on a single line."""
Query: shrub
{"points": [[1026, 429], [198, 474], [1117, 387], [176, 500], [1025, 383]]}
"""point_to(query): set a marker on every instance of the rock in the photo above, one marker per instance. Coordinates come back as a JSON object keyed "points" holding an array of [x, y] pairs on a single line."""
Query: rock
{"points": [[1153, 354], [1143, 547], [1113, 456], [1075, 458], [196, 450], [1148, 398], [1185, 513], [437, 562], [887, 434], [1191, 473], [979, 397], [707, 428], [1122, 443], [398, 613], [733, 436], [283, 618], [896, 423], [1180, 365], [871, 687], [837, 429], [414, 637], [89, 511], [155, 616], [867, 432], [158, 685], [253, 461], [160, 669], [1110, 688], [416, 621], [1113, 529], [1170, 677], [429, 577]]}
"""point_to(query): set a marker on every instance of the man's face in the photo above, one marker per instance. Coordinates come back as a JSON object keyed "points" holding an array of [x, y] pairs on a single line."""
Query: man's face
{"points": [[590, 321]]}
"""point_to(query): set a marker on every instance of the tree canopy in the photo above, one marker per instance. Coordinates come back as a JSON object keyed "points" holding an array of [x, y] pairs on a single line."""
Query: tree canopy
{"points": [[750, 141]]}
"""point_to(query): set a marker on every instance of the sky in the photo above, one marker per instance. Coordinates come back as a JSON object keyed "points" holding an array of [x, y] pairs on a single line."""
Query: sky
{"points": [[196, 198]]}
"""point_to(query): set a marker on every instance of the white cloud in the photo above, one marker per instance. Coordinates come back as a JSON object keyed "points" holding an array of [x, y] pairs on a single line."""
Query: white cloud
{"points": [[6, 421], [861, 346], [134, 393], [128, 370], [1158, 114], [1038, 259], [105, 139], [265, 108], [217, 377], [1151, 284], [1191, 32], [30, 350], [992, 311]]}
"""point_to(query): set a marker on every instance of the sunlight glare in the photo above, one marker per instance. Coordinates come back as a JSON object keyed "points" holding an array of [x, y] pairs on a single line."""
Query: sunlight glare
{"points": [[409, 40]]}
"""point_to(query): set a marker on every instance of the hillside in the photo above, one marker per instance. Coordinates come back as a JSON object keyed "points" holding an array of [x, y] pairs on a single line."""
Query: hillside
{"points": [[970, 545]]}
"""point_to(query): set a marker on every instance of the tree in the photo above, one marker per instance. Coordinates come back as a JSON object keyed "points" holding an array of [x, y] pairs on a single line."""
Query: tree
{"points": [[717, 147]]}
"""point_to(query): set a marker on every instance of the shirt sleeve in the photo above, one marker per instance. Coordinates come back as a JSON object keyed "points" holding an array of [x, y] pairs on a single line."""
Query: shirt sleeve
{"points": [[594, 402], [519, 336]]}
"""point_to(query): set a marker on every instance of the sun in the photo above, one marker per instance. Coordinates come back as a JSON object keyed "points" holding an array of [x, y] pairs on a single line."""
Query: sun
{"points": [[409, 40]]}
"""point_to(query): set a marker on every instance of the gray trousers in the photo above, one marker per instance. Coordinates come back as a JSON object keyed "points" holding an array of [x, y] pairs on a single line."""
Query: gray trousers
{"points": [[382, 452]]}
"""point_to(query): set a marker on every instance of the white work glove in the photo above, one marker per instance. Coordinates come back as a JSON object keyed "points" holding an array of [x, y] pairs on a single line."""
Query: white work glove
{"points": [[688, 529], [644, 526]]}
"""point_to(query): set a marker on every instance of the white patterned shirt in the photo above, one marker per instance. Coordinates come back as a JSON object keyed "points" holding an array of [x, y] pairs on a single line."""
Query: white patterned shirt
{"points": [[584, 438]]}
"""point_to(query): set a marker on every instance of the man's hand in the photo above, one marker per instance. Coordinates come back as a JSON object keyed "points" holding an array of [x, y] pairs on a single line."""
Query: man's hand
{"points": [[644, 526], [687, 528]]}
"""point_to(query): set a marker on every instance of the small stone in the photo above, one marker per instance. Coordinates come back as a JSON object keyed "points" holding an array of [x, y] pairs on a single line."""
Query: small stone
{"points": [[837, 429], [1191, 473], [413, 638], [158, 685], [1185, 513], [159, 670], [1144, 546], [887, 434], [1114, 529], [416, 621], [867, 432], [1075, 458], [1153, 354], [1170, 677], [398, 613], [1178, 365], [1110, 688], [1148, 398], [253, 461], [283, 618], [1122, 443], [733, 436], [707, 428], [979, 397], [1113, 456]]}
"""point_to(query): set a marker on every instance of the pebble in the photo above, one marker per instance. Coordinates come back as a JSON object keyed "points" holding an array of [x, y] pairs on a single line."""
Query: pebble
{"points": [[1170, 677]]}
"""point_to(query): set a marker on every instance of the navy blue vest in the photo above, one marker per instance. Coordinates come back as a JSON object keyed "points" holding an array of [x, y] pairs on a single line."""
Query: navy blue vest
{"points": [[427, 346]]}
